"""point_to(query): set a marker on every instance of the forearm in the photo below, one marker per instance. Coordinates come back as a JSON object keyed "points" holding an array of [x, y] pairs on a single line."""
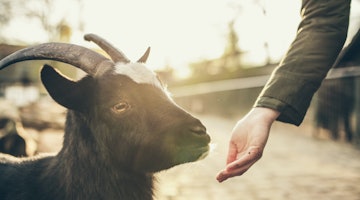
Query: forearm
{"points": [[321, 35]]}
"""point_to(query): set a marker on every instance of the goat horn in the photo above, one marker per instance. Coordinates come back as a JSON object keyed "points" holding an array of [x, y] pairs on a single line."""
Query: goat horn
{"points": [[115, 54], [80, 57], [144, 58]]}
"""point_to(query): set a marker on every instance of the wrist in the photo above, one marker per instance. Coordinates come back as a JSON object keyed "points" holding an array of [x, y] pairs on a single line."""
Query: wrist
{"points": [[265, 114]]}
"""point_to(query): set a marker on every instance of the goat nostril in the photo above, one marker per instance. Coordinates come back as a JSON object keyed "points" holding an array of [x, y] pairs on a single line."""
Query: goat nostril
{"points": [[200, 130]]}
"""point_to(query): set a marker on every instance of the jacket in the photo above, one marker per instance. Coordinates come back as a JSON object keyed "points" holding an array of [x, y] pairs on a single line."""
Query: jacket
{"points": [[320, 37]]}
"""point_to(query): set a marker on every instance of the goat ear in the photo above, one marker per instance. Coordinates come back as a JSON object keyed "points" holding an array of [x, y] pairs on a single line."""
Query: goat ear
{"points": [[64, 91]]}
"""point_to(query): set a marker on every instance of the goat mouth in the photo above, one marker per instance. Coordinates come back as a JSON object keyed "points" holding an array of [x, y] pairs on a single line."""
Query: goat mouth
{"points": [[205, 153], [196, 153], [200, 150]]}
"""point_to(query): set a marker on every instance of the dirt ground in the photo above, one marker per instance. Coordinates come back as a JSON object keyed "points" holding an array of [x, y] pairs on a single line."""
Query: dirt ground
{"points": [[294, 166]]}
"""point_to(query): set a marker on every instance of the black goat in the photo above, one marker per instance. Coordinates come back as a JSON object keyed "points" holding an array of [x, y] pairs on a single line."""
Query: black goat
{"points": [[121, 128], [14, 140], [11, 141]]}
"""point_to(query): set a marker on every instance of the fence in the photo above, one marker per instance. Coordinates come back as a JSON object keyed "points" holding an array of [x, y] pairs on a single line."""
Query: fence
{"points": [[242, 93]]}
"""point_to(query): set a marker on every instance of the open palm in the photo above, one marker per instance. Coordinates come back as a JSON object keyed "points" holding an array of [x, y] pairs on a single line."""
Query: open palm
{"points": [[247, 142]]}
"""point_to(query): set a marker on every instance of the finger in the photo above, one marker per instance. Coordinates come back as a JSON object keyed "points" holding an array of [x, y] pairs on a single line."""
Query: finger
{"points": [[239, 166], [221, 176], [232, 153], [225, 174], [242, 161], [248, 157]]}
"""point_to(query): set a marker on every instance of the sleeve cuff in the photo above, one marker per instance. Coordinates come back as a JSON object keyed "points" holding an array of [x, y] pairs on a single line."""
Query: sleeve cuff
{"points": [[287, 113]]}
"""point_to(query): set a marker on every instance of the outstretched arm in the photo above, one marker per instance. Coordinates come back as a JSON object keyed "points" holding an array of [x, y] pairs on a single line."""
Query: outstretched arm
{"points": [[288, 93]]}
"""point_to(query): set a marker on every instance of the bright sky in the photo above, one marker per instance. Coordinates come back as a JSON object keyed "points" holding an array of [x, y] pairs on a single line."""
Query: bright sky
{"points": [[178, 32], [189, 30]]}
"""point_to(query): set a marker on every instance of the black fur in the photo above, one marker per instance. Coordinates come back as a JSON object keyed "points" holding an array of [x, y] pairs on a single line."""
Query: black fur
{"points": [[117, 135]]}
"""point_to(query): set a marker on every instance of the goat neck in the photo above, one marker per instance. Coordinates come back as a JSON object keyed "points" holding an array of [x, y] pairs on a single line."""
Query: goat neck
{"points": [[93, 169]]}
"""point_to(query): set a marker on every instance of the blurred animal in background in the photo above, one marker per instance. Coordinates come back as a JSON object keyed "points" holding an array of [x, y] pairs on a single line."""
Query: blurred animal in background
{"points": [[335, 99], [121, 128], [334, 103], [14, 140]]}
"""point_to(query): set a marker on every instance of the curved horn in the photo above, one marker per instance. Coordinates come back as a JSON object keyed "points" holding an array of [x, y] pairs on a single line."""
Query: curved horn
{"points": [[144, 58], [115, 54], [80, 57]]}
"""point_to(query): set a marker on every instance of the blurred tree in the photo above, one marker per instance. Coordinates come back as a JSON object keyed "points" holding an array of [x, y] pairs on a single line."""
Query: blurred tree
{"points": [[55, 21], [238, 8], [5, 12], [232, 53], [225, 67], [64, 31], [41, 11], [231, 48]]}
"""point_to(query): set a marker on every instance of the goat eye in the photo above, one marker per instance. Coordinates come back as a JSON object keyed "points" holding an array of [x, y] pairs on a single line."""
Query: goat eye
{"points": [[120, 107]]}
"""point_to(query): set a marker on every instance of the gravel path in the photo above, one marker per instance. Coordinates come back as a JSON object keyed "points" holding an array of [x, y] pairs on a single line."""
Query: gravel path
{"points": [[294, 166]]}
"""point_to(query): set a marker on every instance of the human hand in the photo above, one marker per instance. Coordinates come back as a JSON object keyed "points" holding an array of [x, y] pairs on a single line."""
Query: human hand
{"points": [[248, 141]]}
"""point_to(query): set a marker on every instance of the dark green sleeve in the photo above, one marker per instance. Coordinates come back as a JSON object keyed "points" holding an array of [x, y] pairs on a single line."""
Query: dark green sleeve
{"points": [[320, 37]]}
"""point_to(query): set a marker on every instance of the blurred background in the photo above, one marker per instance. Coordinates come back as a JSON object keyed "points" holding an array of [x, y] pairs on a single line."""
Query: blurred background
{"points": [[215, 56]]}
